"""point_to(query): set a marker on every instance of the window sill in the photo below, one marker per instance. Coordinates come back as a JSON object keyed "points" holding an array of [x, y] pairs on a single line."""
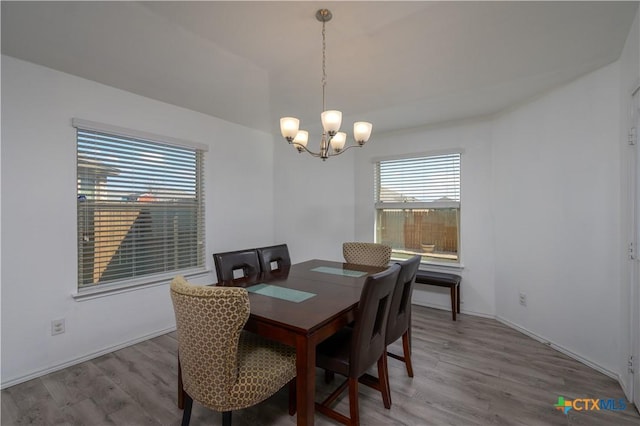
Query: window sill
{"points": [[446, 267], [135, 285], [441, 267]]}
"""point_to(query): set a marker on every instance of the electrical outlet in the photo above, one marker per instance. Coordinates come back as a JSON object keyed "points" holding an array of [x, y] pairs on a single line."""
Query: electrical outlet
{"points": [[523, 299], [57, 326]]}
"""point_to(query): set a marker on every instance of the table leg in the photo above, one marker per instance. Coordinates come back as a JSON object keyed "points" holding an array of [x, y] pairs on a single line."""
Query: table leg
{"points": [[306, 380]]}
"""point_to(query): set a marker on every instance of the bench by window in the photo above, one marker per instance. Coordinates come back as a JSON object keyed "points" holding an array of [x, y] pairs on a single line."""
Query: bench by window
{"points": [[417, 200], [140, 206]]}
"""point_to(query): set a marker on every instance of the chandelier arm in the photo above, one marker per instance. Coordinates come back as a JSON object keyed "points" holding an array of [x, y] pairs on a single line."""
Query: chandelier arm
{"points": [[344, 149], [299, 145]]}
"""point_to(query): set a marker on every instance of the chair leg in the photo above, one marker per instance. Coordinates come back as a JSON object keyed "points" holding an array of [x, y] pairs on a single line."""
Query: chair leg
{"points": [[380, 383], [406, 347], [180, 387], [186, 414], [383, 379], [293, 403], [226, 418], [354, 410]]}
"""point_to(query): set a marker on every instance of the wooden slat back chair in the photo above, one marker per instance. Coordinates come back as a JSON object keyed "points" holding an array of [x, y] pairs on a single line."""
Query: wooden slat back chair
{"points": [[222, 367], [228, 262], [371, 254], [353, 350], [278, 254]]}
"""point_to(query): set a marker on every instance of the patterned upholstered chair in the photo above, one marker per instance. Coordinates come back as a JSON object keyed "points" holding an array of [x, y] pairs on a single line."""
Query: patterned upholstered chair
{"points": [[229, 263], [223, 367], [371, 254], [274, 254], [353, 350]]}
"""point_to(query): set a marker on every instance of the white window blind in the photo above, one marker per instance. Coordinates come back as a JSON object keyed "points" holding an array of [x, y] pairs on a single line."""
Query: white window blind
{"points": [[430, 181], [140, 206], [417, 203]]}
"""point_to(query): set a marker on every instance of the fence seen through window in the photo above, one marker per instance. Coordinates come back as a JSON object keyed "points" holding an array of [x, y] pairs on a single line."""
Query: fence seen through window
{"points": [[140, 208], [418, 206]]}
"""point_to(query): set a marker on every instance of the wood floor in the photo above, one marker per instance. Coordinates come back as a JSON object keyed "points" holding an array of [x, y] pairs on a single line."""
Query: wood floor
{"points": [[474, 371]]}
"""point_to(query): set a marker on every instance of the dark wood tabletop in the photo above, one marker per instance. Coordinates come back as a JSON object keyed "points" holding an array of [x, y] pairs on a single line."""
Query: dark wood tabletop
{"points": [[305, 324], [334, 294]]}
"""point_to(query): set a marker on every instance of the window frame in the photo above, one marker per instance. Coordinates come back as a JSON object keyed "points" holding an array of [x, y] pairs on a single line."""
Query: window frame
{"points": [[150, 279], [378, 205]]}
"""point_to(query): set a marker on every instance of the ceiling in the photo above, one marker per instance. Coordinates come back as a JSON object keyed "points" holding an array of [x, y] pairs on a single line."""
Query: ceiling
{"points": [[396, 64]]}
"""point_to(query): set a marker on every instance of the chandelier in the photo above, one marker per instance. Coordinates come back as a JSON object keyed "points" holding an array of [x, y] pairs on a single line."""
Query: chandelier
{"points": [[333, 141]]}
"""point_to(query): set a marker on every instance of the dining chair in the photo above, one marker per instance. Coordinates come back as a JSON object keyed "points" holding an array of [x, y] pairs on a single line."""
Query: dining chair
{"points": [[371, 254], [223, 367], [232, 265], [278, 255], [353, 350], [399, 324]]}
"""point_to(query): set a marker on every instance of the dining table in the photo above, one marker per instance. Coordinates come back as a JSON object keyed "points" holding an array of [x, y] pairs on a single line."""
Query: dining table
{"points": [[301, 305]]}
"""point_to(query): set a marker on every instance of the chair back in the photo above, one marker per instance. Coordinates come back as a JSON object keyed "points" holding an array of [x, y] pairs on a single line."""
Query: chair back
{"points": [[368, 339], [228, 262], [370, 254], [209, 321], [400, 311], [278, 254]]}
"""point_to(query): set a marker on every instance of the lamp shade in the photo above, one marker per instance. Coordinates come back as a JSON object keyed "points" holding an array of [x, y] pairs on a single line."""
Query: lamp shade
{"points": [[362, 131], [331, 121], [301, 138], [338, 141], [289, 127]]}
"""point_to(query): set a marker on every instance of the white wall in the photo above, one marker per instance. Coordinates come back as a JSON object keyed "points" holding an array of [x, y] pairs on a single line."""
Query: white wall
{"points": [[38, 212], [476, 248], [313, 201], [629, 82], [541, 213], [556, 189]]}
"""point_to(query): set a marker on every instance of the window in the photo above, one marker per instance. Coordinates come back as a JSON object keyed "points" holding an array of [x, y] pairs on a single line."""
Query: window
{"points": [[418, 206], [140, 206]]}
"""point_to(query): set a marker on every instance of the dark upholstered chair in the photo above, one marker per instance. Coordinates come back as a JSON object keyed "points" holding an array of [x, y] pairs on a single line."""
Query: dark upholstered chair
{"points": [[245, 260], [399, 323], [278, 254], [352, 351], [223, 367], [371, 254]]}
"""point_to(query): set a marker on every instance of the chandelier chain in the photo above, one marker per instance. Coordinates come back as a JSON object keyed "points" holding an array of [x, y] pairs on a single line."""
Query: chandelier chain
{"points": [[332, 141], [324, 67]]}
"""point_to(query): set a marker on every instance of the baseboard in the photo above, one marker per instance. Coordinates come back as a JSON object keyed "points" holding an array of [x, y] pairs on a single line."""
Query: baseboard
{"points": [[534, 336], [570, 354], [448, 308], [626, 390], [559, 348], [78, 360]]}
